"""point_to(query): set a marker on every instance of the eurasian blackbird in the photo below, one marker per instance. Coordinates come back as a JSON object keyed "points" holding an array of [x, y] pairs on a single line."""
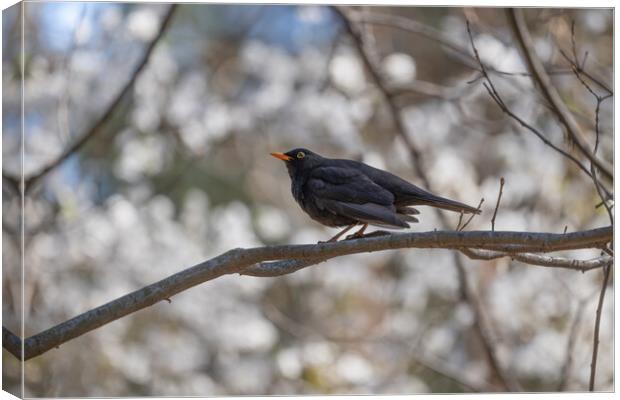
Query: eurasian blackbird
{"points": [[338, 192]]}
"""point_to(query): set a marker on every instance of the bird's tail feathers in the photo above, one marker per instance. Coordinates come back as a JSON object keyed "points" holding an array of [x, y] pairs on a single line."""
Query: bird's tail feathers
{"points": [[445, 204]]}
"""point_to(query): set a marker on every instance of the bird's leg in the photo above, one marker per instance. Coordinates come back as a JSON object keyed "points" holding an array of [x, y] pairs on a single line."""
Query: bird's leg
{"points": [[359, 233], [342, 232]]}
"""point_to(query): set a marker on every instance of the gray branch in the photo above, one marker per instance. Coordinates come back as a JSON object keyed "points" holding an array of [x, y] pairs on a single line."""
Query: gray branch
{"points": [[253, 262]]}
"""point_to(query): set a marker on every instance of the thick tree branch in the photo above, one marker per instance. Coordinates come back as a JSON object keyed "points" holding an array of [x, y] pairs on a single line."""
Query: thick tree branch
{"points": [[248, 261], [97, 127], [516, 20], [12, 343]]}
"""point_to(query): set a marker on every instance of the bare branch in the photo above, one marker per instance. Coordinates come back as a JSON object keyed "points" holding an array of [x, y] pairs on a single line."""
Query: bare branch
{"points": [[458, 224], [430, 89], [29, 181], [541, 259], [490, 87], [471, 216], [248, 261], [515, 17], [597, 326], [578, 71], [499, 198]]}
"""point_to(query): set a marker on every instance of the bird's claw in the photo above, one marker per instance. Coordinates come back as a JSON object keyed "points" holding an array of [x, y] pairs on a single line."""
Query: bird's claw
{"points": [[367, 235]]}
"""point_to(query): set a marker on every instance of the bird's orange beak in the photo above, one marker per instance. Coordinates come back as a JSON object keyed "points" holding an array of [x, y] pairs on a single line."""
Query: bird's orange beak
{"points": [[281, 156]]}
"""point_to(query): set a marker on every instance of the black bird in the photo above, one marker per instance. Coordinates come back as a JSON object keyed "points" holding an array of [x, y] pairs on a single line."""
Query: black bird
{"points": [[338, 192]]}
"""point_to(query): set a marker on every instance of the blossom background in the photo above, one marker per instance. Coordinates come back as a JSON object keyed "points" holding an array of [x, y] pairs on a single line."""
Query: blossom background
{"points": [[181, 172]]}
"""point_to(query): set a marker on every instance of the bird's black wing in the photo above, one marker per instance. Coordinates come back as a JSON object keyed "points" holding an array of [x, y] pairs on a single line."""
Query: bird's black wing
{"points": [[405, 193], [350, 193]]}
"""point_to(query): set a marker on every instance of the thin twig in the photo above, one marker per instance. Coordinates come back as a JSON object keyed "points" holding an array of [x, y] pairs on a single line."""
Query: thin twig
{"points": [[458, 225], [490, 87], [540, 76], [499, 198], [597, 326], [472, 215], [578, 71]]}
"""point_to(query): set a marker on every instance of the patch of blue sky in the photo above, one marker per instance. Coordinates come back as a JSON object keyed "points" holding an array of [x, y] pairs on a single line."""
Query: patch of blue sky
{"points": [[58, 21], [287, 26]]}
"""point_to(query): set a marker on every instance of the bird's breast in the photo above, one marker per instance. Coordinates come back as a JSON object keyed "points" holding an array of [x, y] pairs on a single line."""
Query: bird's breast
{"points": [[310, 204], [297, 190]]}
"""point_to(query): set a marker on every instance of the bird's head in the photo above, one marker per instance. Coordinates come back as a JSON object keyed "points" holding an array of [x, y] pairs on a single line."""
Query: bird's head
{"points": [[298, 159]]}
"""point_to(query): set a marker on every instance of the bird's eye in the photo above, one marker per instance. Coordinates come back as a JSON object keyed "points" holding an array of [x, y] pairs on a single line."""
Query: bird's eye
{"points": [[300, 155]]}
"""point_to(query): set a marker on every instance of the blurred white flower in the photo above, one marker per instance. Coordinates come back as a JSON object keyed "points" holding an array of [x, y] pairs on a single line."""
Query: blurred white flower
{"points": [[403, 323], [249, 375], [463, 315], [83, 31], [353, 368], [289, 362], [347, 72], [134, 364], [233, 226], [187, 99], [143, 23], [374, 159], [544, 48], [596, 20], [216, 120], [122, 212], [146, 117], [246, 330], [85, 63], [270, 63], [110, 17], [195, 213], [318, 353], [272, 222], [140, 157], [494, 53], [399, 68], [439, 341], [543, 357], [311, 14]]}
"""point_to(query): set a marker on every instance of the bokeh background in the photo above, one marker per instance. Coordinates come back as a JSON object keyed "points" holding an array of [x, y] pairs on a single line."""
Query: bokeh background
{"points": [[181, 172]]}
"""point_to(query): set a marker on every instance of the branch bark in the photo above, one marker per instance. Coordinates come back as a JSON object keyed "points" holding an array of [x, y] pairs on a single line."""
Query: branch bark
{"points": [[251, 262]]}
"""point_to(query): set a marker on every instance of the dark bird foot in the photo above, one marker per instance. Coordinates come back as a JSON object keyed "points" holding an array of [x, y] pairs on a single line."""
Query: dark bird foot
{"points": [[367, 235]]}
